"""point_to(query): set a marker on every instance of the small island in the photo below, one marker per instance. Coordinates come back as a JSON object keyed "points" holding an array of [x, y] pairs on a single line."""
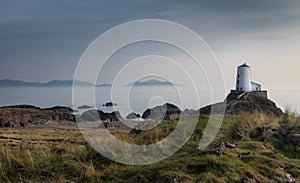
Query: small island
{"points": [[109, 104]]}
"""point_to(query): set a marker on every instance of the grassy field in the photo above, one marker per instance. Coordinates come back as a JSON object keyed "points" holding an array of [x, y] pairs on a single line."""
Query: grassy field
{"points": [[56, 153]]}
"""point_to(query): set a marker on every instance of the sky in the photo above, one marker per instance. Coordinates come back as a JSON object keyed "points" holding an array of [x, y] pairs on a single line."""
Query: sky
{"points": [[44, 40]]}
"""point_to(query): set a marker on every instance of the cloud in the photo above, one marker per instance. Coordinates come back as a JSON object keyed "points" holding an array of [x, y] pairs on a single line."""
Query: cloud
{"points": [[47, 38]]}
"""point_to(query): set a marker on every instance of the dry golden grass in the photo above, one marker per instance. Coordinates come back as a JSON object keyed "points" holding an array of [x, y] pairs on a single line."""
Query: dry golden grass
{"points": [[58, 154]]}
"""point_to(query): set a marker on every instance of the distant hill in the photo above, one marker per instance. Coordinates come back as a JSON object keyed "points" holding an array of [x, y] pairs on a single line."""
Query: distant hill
{"points": [[53, 83], [151, 82]]}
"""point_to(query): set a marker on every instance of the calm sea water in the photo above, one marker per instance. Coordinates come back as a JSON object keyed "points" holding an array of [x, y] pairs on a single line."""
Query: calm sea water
{"points": [[137, 100]]}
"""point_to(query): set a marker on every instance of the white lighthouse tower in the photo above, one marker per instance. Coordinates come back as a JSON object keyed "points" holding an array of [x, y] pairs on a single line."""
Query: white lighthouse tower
{"points": [[244, 85], [243, 80]]}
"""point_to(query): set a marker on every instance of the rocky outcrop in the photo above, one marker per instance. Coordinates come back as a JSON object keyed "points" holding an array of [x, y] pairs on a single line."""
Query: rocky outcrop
{"points": [[133, 116], [84, 107], [250, 102], [164, 112], [109, 104], [96, 115], [23, 115]]}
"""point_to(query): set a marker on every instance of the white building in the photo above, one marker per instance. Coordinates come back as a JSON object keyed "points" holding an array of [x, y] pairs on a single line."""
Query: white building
{"points": [[243, 80]]}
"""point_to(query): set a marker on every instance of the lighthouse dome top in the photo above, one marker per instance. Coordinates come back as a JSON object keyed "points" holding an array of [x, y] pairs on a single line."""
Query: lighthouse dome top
{"points": [[244, 65]]}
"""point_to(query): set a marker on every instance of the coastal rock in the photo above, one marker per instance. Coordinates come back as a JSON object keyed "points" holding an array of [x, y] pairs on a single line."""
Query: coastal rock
{"points": [[96, 115], [84, 107], [133, 116], [60, 109], [109, 104], [250, 102], [22, 115], [163, 112], [90, 115]]}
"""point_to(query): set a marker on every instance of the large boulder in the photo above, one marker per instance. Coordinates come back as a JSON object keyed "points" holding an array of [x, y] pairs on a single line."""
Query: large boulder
{"points": [[109, 104], [96, 115], [90, 115], [164, 112], [133, 116]]}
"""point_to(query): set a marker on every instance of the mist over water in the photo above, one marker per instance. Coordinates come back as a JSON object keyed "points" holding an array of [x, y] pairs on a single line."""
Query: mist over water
{"points": [[137, 100]]}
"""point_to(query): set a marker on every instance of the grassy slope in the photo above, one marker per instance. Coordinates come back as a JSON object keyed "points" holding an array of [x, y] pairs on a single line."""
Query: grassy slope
{"points": [[60, 155]]}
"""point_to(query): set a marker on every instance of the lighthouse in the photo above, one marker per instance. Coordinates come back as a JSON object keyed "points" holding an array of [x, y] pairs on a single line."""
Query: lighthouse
{"points": [[243, 79], [244, 85]]}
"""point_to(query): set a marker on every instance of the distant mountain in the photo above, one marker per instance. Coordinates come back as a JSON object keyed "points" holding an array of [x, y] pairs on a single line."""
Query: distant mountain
{"points": [[151, 82], [9, 82], [103, 85], [53, 83]]}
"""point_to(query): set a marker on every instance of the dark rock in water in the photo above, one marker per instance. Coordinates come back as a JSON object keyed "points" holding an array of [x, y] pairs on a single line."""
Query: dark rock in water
{"points": [[96, 115], [164, 112], [84, 107], [22, 115], [109, 104], [133, 116], [250, 102]]}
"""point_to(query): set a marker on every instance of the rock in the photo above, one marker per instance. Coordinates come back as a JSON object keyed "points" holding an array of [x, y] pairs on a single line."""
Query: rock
{"points": [[285, 126], [250, 102], [22, 106], [109, 104], [20, 116], [230, 146], [289, 178], [60, 109], [163, 112], [133, 116], [217, 152], [269, 131], [90, 115], [247, 180], [190, 112], [84, 107], [96, 115], [295, 136]]}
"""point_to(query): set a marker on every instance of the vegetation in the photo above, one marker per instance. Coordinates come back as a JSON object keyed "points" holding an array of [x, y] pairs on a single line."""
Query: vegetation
{"points": [[60, 154]]}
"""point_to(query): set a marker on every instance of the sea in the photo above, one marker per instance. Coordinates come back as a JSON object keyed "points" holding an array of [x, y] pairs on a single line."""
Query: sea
{"points": [[136, 99]]}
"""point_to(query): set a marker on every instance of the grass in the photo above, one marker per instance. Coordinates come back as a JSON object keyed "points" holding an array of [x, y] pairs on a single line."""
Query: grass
{"points": [[60, 155]]}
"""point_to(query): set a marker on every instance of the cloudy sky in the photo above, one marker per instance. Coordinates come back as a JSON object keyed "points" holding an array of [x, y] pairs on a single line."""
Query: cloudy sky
{"points": [[44, 40]]}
